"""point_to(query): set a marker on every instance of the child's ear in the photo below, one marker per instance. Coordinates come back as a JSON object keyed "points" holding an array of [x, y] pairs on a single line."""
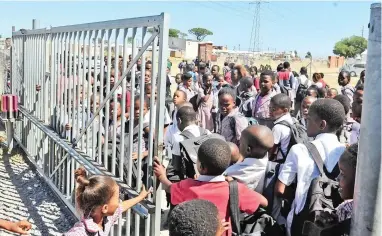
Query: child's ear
{"points": [[249, 150], [104, 209], [323, 124]]}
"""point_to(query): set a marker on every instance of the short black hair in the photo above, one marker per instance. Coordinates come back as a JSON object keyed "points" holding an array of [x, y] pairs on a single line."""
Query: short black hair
{"points": [[247, 82], [345, 101], [280, 67], [186, 115], [322, 75], [330, 110], [345, 74], [202, 66], [321, 92], [286, 65], [215, 155], [189, 67], [146, 100], [194, 218], [362, 73], [304, 70], [357, 109], [281, 100], [350, 155], [186, 76], [268, 73], [148, 62], [216, 67], [360, 87], [227, 91], [225, 63]]}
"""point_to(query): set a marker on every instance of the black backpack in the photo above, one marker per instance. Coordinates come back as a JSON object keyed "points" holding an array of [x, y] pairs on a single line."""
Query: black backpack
{"points": [[259, 223], [322, 196], [189, 149], [298, 135], [301, 91]]}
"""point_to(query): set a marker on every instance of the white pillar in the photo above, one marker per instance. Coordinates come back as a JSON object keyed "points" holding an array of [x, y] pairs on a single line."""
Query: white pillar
{"points": [[367, 194]]}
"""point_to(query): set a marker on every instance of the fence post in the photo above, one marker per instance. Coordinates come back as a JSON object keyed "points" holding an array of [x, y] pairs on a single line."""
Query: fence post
{"points": [[367, 194], [35, 24]]}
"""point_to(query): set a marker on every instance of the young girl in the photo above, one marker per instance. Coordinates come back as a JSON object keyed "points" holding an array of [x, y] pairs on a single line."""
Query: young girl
{"points": [[205, 102], [229, 122], [178, 79], [98, 200]]}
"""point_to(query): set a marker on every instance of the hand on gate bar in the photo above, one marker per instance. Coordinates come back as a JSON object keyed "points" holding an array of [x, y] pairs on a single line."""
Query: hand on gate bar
{"points": [[38, 88], [159, 169], [80, 172], [20, 227], [68, 127]]}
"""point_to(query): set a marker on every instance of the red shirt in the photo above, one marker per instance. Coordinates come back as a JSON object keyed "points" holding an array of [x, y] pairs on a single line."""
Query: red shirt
{"points": [[217, 193]]}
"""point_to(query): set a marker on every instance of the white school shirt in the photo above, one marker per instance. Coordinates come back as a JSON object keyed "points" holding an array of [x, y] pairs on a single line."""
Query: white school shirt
{"points": [[147, 117], [355, 133], [299, 164], [177, 138], [251, 172], [281, 135]]}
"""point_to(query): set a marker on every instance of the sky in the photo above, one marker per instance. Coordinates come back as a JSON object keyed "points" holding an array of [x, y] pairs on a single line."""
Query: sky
{"points": [[284, 26]]}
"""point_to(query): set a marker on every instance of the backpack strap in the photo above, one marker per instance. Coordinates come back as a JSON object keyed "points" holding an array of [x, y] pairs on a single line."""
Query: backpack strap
{"points": [[234, 207], [187, 134], [316, 157], [284, 123]]}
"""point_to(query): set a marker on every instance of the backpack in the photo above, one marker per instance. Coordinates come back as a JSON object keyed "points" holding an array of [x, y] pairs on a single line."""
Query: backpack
{"points": [[322, 196], [298, 135], [189, 150], [195, 103], [301, 91], [283, 76], [259, 223]]}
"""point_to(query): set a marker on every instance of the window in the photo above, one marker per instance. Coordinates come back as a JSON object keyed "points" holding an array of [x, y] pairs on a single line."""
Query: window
{"points": [[359, 66]]}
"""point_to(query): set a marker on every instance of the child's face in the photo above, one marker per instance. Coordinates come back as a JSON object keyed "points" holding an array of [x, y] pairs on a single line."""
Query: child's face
{"points": [[188, 83], [331, 94], [208, 82], [115, 106], [311, 93], [214, 71], [110, 208], [346, 178], [178, 98], [305, 105], [202, 71], [148, 66], [178, 79], [221, 81], [96, 104], [137, 107], [265, 84], [358, 96], [276, 112], [314, 124], [195, 69], [235, 75], [226, 104], [342, 80], [147, 77]]}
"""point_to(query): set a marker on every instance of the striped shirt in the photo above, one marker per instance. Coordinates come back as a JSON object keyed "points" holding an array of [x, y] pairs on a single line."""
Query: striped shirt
{"points": [[88, 227]]}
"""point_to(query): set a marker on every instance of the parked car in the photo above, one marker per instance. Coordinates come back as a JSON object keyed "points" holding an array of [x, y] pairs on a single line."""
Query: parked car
{"points": [[354, 69]]}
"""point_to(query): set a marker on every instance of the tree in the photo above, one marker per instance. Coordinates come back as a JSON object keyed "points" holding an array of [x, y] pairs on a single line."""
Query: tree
{"points": [[295, 53], [200, 33], [182, 35], [174, 33], [308, 55], [350, 47]]}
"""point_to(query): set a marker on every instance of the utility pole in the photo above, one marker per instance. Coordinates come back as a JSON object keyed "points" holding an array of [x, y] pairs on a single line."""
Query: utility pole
{"points": [[366, 220], [255, 32]]}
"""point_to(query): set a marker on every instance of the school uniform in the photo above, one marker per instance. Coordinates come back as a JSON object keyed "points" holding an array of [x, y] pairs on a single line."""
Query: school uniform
{"points": [[354, 133], [300, 165], [190, 92], [231, 125], [348, 91], [260, 109], [204, 114], [251, 172], [282, 135], [216, 190]]}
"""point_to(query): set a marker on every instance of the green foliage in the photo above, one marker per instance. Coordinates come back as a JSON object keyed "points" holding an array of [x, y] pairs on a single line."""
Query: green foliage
{"points": [[308, 55], [174, 33], [200, 33], [350, 47]]}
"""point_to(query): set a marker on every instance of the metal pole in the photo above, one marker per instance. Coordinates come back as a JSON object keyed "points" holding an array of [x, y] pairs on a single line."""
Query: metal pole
{"points": [[35, 24], [367, 195]]}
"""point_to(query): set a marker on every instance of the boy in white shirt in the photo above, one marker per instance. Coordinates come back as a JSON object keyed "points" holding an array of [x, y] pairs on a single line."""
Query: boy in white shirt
{"points": [[325, 117], [255, 142], [279, 112]]}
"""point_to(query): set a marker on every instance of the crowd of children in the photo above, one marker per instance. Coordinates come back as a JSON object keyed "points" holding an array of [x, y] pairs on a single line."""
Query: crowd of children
{"points": [[260, 119]]}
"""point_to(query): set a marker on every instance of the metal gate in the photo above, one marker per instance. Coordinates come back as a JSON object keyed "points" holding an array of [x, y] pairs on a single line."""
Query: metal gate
{"points": [[75, 102]]}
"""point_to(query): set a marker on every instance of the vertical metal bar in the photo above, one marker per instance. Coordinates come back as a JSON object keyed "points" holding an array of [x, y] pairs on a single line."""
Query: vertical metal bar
{"points": [[158, 146], [88, 132], [102, 73], [80, 116], [76, 116], [58, 83], [94, 139], [366, 220], [140, 132], [52, 78], [123, 104], [115, 121], [107, 107], [152, 121], [66, 79], [70, 78], [83, 86], [131, 126]]}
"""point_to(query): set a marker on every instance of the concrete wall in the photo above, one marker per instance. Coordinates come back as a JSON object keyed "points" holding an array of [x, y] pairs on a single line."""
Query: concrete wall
{"points": [[176, 43], [191, 50]]}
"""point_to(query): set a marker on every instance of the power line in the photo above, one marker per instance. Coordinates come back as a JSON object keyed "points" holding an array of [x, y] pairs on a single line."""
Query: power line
{"points": [[255, 32]]}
